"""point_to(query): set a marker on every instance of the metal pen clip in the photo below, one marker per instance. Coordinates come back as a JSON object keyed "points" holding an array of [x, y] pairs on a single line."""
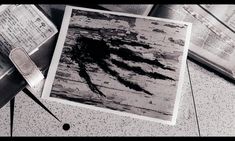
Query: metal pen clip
{"points": [[27, 68]]}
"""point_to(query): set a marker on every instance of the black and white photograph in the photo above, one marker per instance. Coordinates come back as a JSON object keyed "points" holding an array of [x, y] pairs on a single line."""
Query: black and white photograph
{"points": [[121, 63]]}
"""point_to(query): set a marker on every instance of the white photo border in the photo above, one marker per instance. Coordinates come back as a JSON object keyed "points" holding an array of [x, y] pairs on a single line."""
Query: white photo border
{"points": [[57, 54]]}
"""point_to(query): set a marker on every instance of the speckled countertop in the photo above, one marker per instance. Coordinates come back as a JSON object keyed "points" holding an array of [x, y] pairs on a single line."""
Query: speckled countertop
{"points": [[213, 100]]}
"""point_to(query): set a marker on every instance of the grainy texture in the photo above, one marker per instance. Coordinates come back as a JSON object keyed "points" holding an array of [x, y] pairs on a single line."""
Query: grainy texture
{"points": [[5, 120], [121, 63], [32, 120], [215, 102]]}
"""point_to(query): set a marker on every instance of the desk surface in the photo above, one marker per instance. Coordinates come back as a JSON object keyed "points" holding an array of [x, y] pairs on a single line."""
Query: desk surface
{"points": [[206, 108], [209, 110]]}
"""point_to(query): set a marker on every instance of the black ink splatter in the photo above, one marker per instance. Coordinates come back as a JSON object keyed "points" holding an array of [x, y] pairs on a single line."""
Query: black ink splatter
{"points": [[91, 51], [173, 26], [179, 42], [159, 30], [156, 23], [139, 70], [66, 126]]}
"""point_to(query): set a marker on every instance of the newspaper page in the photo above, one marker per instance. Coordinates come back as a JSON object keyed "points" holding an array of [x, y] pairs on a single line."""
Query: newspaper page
{"points": [[22, 26], [224, 13], [212, 40]]}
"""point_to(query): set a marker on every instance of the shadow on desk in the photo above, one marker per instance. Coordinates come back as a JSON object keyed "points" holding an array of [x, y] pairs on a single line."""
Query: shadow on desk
{"points": [[212, 70]]}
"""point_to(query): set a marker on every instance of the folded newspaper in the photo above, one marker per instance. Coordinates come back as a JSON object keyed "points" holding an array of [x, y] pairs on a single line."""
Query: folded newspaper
{"points": [[23, 26]]}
